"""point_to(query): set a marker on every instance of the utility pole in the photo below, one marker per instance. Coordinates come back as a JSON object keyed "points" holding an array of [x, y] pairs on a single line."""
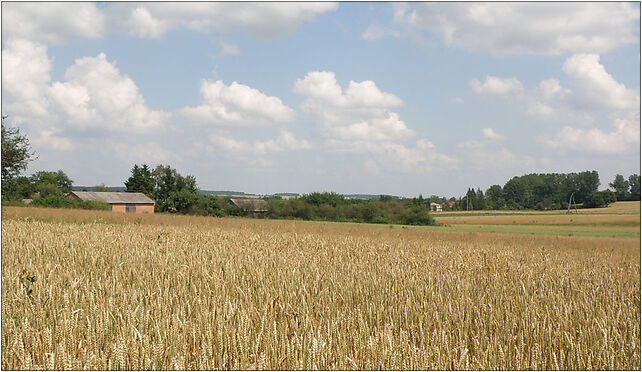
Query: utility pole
{"points": [[569, 203]]}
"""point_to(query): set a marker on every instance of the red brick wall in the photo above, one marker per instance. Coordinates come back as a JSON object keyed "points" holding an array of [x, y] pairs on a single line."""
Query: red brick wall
{"points": [[144, 208], [140, 208], [118, 208]]}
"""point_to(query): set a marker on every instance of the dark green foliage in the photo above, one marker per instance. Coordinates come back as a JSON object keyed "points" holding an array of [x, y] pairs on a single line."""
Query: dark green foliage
{"points": [[173, 192], [41, 184], [599, 199], [59, 179], [318, 198], [47, 189], [417, 215], [495, 198], [207, 205], [621, 187], [535, 191], [59, 201], [17, 188], [16, 153], [335, 207], [141, 180]]}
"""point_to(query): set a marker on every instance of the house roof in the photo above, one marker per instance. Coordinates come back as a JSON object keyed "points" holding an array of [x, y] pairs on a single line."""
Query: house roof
{"points": [[250, 205], [114, 197]]}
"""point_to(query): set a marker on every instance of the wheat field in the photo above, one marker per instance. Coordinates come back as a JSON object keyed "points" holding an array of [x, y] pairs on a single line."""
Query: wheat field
{"points": [[172, 292]]}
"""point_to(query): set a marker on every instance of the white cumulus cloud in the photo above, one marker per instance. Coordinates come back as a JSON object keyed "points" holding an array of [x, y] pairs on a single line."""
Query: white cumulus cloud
{"points": [[592, 91], [96, 95], [596, 87], [623, 136], [25, 73], [492, 135], [52, 22], [374, 32], [496, 85], [360, 120], [362, 113], [262, 19], [237, 105], [549, 28]]}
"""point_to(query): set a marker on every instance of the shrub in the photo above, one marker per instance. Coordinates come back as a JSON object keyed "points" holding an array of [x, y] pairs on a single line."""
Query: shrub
{"points": [[599, 199], [58, 201], [417, 215]]}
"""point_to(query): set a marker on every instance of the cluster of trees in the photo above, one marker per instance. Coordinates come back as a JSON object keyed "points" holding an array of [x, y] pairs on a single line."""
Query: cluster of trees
{"points": [[335, 207], [626, 190], [175, 193], [548, 191]]}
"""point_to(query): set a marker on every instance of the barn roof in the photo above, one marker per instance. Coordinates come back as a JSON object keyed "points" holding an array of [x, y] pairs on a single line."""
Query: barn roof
{"points": [[250, 205], [114, 197]]}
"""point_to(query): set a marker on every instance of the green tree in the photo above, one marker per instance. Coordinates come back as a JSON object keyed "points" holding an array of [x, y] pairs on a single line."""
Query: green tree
{"points": [[634, 186], [16, 152], [171, 190], [495, 198], [599, 199], [621, 187], [588, 183], [514, 190], [58, 179], [141, 180], [17, 188]]}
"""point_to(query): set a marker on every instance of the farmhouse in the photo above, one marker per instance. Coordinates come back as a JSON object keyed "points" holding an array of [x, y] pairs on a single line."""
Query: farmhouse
{"points": [[435, 207], [253, 207], [131, 202]]}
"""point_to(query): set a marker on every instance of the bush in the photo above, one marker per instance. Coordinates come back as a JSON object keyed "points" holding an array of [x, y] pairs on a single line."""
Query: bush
{"points": [[417, 215], [58, 201], [599, 199]]}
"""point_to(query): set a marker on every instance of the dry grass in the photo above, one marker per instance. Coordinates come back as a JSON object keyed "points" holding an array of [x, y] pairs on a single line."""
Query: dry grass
{"points": [[166, 292], [574, 219]]}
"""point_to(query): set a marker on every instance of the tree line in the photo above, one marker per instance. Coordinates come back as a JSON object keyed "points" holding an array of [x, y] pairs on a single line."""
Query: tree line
{"points": [[541, 191], [175, 193]]}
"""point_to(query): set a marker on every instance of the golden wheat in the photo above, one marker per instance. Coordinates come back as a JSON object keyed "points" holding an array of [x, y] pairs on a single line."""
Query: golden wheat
{"points": [[171, 292]]}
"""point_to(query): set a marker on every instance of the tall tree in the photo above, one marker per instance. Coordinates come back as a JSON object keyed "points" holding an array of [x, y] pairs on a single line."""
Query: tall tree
{"points": [[16, 152], [588, 183], [171, 188], [621, 187], [141, 180], [634, 185], [494, 197]]}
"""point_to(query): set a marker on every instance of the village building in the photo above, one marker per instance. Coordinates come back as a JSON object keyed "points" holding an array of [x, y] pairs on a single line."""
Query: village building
{"points": [[435, 207], [255, 208], [130, 202]]}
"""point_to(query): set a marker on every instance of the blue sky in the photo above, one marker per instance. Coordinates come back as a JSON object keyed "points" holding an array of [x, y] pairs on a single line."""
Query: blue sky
{"points": [[392, 98]]}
